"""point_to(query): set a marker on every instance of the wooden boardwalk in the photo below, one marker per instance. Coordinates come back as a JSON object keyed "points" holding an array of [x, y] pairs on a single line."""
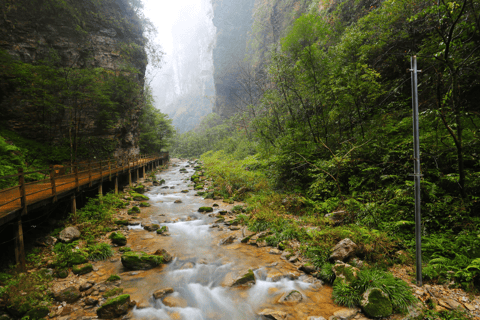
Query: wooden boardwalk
{"points": [[25, 195]]}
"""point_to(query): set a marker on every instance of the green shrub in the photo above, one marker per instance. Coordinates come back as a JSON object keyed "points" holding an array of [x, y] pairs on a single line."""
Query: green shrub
{"points": [[101, 251]]}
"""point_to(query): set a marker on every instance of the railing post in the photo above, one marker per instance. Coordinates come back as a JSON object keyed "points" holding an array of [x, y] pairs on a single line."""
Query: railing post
{"points": [[19, 246], [89, 173], [129, 174], [76, 177], [52, 182], [23, 194]]}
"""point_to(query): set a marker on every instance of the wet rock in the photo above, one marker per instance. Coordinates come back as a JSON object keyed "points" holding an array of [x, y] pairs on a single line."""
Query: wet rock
{"points": [[223, 212], [162, 229], [272, 314], [205, 209], [307, 268], [292, 296], [38, 312], [345, 314], [118, 238], [175, 302], [177, 201], [86, 285], [227, 240], [453, 304], [343, 250], [234, 228], [151, 227], [316, 318], [69, 234], [66, 311], [69, 295], [247, 278], [90, 301], [293, 259], [376, 303], [345, 272], [188, 265], [114, 307], [167, 257], [275, 251], [159, 294], [140, 261]]}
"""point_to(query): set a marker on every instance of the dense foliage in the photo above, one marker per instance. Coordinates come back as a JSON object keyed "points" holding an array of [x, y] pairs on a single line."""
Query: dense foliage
{"points": [[333, 126]]}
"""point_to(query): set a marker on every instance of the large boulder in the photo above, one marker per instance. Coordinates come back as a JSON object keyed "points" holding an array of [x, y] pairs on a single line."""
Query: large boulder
{"points": [[140, 260], [114, 307], [376, 303], [345, 272], [273, 314], [246, 279], [159, 294], [69, 234], [343, 250], [69, 295]]}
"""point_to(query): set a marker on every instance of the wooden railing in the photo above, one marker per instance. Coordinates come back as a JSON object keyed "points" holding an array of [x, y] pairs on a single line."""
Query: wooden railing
{"points": [[65, 178]]}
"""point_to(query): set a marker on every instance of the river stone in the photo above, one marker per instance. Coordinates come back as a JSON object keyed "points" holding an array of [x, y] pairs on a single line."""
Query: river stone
{"points": [[376, 303], [167, 257], [69, 234], [316, 318], [90, 301], [38, 312], [272, 314], [346, 314], [227, 240], [159, 294], [140, 261], [175, 302], [69, 295], [151, 227], [307, 268], [343, 250], [118, 238], [247, 278], [177, 201], [114, 307], [292, 296], [275, 251]]}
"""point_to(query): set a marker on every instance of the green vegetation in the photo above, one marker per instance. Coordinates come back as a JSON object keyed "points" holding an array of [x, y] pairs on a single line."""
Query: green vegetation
{"points": [[332, 132], [100, 251], [113, 292], [113, 277], [118, 238]]}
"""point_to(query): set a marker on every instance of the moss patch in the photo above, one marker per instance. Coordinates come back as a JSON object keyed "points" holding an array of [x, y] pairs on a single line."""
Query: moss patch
{"points": [[139, 197], [113, 292], [246, 278], [205, 209], [82, 269], [145, 204], [140, 260], [134, 210], [376, 303], [113, 277], [118, 238]]}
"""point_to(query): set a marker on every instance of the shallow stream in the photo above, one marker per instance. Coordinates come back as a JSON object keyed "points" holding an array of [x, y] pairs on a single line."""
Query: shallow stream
{"points": [[202, 270]]}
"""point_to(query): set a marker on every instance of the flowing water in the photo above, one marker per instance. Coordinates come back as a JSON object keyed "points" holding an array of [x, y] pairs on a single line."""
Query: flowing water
{"points": [[202, 270]]}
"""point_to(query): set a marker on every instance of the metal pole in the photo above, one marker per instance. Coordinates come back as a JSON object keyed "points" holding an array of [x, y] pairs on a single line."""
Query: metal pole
{"points": [[416, 174]]}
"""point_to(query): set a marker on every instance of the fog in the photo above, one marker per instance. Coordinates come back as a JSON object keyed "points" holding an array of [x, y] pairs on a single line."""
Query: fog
{"points": [[184, 87]]}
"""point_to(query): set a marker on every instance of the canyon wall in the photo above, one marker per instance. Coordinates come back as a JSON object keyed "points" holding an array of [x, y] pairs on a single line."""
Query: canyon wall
{"points": [[103, 36]]}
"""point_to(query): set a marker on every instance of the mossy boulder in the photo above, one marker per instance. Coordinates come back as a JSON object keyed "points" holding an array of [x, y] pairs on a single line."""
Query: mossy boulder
{"points": [[82, 269], [200, 193], [199, 187], [205, 209], [376, 303], [118, 238], [151, 227], [184, 191], [133, 210], [62, 273], [139, 197], [229, 201], [114, 307], [162, 229], [140, 260], [345, 272], [113, 277], [145, 204], [69, 295], [121, 222], [77, 258], [125, 249], [139, 189], [247, 278], [38, 312], [113, 292]]}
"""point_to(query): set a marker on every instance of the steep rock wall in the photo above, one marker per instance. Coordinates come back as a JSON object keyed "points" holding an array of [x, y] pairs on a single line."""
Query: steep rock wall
{"points": [[78, 34]]}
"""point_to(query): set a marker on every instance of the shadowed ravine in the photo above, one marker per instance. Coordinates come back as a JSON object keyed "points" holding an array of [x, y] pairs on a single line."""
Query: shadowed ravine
{"points": [[202, 270]]}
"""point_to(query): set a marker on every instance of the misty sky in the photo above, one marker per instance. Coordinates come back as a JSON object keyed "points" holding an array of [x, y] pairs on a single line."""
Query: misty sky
{"points": [[186, 34]]}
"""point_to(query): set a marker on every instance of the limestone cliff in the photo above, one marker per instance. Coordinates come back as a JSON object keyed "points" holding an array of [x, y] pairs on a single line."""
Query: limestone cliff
{"points": [[103, 36]]}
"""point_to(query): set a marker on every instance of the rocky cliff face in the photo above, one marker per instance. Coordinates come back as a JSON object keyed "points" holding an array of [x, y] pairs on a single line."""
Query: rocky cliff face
{"points": [[68, 36], [246, 30]]}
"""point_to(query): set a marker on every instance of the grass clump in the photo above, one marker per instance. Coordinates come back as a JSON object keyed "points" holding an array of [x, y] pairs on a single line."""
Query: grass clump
{"points": [[100, 251], [349, 294], [134, 210]]}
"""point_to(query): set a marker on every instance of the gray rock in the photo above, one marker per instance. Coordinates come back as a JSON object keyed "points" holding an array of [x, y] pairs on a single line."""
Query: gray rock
{"points": [[291, 296], [86, 286], [90, 301], [69, 295], [272, 314], [343, 250], [316, 318], [69, 234], [159, 294], [227, 240]]}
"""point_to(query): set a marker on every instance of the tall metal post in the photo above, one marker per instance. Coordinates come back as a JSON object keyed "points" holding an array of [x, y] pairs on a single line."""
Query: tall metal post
{"points": [[416, 167]]}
